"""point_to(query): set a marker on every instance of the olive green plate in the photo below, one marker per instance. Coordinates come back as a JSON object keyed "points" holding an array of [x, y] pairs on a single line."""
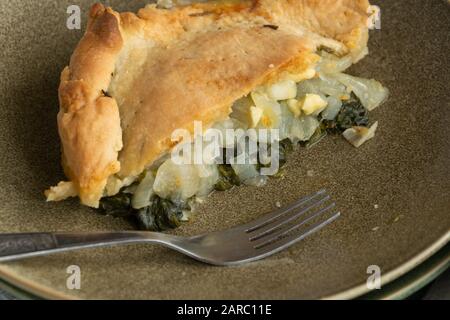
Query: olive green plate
{"points": [[410, 283], [404, 171], [401, 288]]}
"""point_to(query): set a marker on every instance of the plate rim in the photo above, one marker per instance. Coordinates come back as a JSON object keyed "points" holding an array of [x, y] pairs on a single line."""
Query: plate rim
{"points": [[41, 291], [410, 283], [360, 290]]}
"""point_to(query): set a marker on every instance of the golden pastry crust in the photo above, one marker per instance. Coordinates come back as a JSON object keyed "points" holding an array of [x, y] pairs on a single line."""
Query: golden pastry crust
{"points": [[134, 79], [343, 20], [198, 80], [88, 121]]}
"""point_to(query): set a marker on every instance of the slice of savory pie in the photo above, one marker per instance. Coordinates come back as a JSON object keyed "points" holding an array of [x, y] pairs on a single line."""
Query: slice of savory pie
{"points": [[135, 78]]}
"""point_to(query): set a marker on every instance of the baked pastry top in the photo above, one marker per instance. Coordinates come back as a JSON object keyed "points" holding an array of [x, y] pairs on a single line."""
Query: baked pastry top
{"points": [[135, 78]]}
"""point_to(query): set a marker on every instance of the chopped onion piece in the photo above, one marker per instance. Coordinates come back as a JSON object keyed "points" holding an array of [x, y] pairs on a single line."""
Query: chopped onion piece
{"points": [[359, 135], [271, 108], [209, 175], [330, 86], [323, 86], [307, 86], [144, 191], [369, 91], [334, 106], [283, 90], [332, 64], [244, 168], [286, 120], [176, 182], [294, 107], [304, 127], [255, 116], [245, 171], [312, 104]]}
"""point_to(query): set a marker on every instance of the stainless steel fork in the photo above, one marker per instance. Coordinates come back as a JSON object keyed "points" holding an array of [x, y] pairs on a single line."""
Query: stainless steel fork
{"points": [[253, 241]]}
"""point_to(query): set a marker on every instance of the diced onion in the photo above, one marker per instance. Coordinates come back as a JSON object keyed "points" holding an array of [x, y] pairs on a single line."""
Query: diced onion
{"points": [[304, 127], [209, 175], [359, 135], [331, 64], [176, 182], [369, 91], [313, 104], [323, 86], [245, 172], [255, 116], [143, 192], [330, 86], [244, 168], [283, 90], [286, 121], [271, 110], [334, 106], [307, 87]]}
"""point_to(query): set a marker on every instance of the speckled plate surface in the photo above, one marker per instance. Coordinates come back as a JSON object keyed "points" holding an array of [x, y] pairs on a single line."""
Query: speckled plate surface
{"points": [[404, 171]]}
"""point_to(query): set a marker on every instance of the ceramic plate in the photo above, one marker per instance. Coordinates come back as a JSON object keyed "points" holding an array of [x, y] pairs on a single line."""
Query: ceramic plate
{"points": [[394, 192]]}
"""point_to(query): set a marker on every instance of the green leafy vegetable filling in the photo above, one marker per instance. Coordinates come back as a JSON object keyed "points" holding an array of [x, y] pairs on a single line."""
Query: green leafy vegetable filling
{"points": [[227, 179], [160, 215], [352, 114]]}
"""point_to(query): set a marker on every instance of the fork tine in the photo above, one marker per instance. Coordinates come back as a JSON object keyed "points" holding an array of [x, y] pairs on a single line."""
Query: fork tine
{"points": [[271, 217], [287, 218], [284, 225], [268, 238], [283, 243]]}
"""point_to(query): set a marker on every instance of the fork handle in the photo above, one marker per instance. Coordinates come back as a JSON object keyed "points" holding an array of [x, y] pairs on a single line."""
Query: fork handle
{"points": [[14, 246]]}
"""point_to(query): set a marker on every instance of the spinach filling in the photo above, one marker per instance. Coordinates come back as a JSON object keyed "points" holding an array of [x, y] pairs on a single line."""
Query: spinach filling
{"points": [[160, 215], [352, 114], [228, 178]]}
